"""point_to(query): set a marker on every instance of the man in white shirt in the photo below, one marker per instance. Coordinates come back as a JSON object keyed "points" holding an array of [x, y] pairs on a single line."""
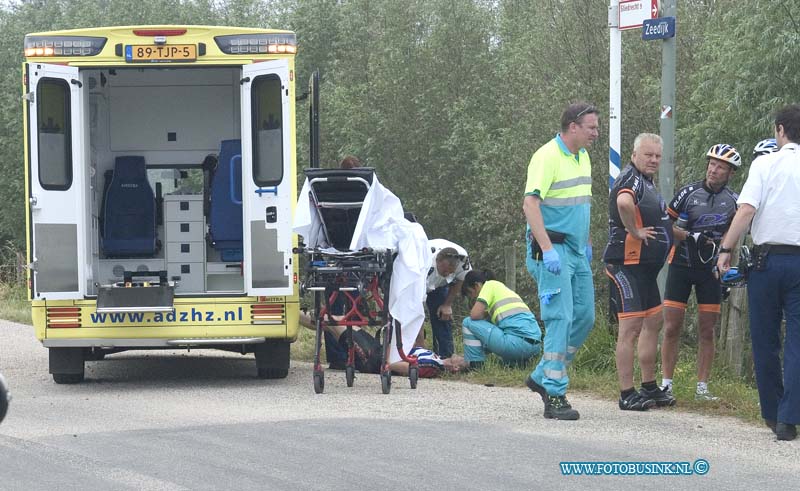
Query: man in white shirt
{"points": [[771, 200], [449, 266]]}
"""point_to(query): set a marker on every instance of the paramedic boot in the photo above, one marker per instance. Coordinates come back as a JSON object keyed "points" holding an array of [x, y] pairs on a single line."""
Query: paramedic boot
{"points": [[662, 397], [558, 407], [537, 388]]}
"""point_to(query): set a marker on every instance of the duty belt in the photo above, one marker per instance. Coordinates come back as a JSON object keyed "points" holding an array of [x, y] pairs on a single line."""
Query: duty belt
{"points": [[782, 249]]}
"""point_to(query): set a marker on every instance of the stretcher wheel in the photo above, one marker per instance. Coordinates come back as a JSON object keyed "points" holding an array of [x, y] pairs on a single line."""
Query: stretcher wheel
{"points": [[350, 375], [386, 382], [319, 382], [413, 376]]}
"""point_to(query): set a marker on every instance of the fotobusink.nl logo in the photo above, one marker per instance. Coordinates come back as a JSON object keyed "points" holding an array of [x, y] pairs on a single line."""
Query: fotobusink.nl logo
{"points": [[699, 467]]}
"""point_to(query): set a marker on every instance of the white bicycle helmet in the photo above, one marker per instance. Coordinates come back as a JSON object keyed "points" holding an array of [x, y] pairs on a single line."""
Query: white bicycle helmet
{"points": [[764, 147], [725, 153]]}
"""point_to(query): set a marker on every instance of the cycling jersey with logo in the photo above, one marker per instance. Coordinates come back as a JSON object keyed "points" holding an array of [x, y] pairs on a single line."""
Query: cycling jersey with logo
{"points": [[651, 211], [708, 212]]}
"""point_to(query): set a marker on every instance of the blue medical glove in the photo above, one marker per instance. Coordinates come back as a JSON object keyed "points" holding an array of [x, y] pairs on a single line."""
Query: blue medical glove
{"points": [[589, 252], [552, 261]]}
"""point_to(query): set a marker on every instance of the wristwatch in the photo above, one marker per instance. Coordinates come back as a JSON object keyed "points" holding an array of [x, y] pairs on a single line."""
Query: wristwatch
{"points": [[724, 250]]}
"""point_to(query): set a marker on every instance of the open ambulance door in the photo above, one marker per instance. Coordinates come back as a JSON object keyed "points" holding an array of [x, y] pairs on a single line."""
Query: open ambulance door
{"points": [[57, 199], [267, 178]]}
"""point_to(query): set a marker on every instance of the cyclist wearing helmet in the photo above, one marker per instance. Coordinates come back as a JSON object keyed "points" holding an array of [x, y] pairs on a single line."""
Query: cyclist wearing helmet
{"points": [[707, 208], [764, 147]]}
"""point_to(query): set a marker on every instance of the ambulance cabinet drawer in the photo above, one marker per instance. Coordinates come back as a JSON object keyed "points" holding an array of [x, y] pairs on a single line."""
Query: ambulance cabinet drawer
{"points": [[190, 277], [185, 252], [183, 208], [184, 231]]}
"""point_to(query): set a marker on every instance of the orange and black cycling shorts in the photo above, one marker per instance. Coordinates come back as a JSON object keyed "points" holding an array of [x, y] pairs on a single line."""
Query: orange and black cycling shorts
{"points": [[707, 288], [634, 289]]}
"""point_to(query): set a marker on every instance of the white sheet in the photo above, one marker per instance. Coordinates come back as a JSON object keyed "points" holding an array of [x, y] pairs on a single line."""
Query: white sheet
{"points": [[381, 224]]}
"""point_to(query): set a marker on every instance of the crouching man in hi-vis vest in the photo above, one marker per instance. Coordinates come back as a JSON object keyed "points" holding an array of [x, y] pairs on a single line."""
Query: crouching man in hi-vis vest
{"points": [[511, 331]]}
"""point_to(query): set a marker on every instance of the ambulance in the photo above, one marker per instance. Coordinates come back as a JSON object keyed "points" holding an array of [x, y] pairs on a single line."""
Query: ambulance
{"points": [[160, 171]]}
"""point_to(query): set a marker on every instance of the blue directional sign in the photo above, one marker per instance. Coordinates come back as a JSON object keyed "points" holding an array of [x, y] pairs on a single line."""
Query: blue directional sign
{"points": [[660, 28]]}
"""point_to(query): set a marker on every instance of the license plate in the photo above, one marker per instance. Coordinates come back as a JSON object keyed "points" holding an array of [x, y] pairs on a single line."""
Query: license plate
{"points": [[160, 54]]}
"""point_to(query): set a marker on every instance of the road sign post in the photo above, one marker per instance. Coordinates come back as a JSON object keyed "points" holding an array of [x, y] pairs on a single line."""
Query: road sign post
{"points": [[622, 15]]}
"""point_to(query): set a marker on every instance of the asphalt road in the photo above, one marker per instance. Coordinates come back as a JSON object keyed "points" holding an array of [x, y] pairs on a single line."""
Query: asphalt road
{"points": [[201, 420]]}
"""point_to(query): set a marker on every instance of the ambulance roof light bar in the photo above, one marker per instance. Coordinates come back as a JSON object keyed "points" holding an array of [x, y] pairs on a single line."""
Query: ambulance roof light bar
{"points": [[36, 46], [240, 44]]}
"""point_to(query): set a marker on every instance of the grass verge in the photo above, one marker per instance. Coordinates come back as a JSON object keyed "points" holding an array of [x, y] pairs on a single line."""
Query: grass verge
{"points": [[14, 305]]}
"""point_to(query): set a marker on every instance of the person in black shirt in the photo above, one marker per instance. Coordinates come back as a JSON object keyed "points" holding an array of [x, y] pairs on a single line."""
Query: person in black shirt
{"points": [[704, 210], [639, 238]]}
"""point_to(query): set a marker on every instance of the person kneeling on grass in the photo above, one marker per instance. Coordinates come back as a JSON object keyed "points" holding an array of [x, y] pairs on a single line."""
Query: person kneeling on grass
{"points": [[368, 352], [511, 331]]}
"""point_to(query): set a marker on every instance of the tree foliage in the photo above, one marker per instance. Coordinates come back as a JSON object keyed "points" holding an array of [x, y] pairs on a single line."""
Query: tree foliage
{"points": [[448, 99]]}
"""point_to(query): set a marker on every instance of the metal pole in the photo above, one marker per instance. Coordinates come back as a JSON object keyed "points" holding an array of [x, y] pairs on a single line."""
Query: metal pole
{"points": [[666, 173], [615, 92], [614, 96]]}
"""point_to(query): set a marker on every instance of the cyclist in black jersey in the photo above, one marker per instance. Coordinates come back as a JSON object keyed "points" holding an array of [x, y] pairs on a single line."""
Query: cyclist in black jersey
{"points": [[639, 238], [703, 210]]}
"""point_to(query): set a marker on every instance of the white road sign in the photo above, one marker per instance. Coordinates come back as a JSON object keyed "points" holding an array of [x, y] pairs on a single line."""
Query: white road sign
{"points": [[632, 13]]}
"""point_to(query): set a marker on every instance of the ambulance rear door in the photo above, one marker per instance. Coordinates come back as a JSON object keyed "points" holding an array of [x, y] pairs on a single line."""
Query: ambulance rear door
{"points": [[57, 178], [266, 178]]}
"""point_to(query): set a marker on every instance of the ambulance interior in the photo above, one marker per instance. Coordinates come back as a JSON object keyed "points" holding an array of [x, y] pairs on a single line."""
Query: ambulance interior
{"points": [[165, 174]]}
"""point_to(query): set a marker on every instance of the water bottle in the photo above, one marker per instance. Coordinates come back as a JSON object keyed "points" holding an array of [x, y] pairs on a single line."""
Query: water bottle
{"points": [[683, 221]]}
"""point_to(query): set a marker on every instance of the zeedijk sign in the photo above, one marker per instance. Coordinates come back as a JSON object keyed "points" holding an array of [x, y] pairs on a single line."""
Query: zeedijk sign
{"points": [[661, 28]]}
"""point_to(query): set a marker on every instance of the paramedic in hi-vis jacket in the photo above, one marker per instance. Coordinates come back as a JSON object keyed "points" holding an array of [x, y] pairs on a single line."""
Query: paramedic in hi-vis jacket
{"points": [[557, 203]]}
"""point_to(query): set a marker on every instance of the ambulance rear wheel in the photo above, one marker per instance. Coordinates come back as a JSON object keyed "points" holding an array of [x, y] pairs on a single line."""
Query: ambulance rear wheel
{"points": [[66, 365], [68, 378], [272, 359]]}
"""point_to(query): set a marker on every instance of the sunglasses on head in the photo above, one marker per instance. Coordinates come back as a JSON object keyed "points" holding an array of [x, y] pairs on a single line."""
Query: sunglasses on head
{"points": [[586, 110]]}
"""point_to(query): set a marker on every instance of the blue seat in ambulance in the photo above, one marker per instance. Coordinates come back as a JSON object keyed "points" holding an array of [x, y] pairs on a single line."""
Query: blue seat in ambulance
{"points": [[225, 211], [129, 218]]}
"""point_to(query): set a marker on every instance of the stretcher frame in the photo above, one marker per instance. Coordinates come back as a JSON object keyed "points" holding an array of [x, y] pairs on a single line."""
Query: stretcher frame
{"points": [[361, 280]]}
